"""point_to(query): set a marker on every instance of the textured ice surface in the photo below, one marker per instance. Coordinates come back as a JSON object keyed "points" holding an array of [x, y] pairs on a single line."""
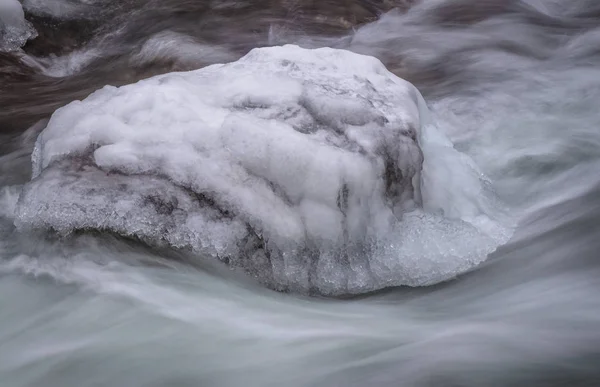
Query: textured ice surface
{"points": [[14, 29], [303, 167]]}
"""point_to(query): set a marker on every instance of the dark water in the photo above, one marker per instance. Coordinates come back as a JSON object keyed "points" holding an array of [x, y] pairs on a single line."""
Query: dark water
{"points": [[517, 84]]}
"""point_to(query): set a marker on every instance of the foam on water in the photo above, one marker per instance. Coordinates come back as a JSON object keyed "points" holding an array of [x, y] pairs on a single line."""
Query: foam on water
{"points": [[314, 170], [69, 64], [182, 49]]}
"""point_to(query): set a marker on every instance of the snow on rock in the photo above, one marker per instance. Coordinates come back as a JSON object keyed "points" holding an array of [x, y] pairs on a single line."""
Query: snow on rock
{"points": [[302, 167], [14, 29]]}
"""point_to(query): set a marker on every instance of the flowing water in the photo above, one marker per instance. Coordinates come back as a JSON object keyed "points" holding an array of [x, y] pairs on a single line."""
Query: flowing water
{"points": [[515, 84]]}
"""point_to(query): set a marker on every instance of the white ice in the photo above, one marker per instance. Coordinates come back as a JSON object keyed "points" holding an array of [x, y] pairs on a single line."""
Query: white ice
{"points": [[313, 170], [14, 29]]}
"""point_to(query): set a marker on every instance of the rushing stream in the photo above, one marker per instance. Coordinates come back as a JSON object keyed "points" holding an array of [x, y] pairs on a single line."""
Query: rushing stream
{"points": [[489, 272]]}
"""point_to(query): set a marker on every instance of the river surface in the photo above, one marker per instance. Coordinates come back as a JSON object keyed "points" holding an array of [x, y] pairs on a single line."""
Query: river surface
{"points": [[516, 84]]}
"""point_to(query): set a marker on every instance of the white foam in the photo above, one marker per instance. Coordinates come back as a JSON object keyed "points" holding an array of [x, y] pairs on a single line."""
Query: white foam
{"points": [[182, 49], [14, 29], [68, 64], [302, 166]]}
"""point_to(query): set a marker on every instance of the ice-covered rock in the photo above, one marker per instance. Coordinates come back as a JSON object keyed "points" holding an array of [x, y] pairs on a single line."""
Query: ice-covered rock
{"points": [[303, 167], [14, 29]]}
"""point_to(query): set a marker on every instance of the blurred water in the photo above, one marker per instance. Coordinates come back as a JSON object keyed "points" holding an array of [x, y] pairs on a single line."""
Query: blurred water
{"points": [[515, 84]]}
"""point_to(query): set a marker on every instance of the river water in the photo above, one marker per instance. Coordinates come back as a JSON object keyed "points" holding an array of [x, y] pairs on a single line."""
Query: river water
{"points": [[516, 84]]}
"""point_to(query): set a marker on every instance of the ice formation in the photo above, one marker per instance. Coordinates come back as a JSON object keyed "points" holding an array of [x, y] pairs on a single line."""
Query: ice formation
{"points": [[305, 168], [14, 29]]}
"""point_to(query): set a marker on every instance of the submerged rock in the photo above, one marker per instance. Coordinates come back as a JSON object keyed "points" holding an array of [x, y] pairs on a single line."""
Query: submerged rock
{"points": [[302, 167]]}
